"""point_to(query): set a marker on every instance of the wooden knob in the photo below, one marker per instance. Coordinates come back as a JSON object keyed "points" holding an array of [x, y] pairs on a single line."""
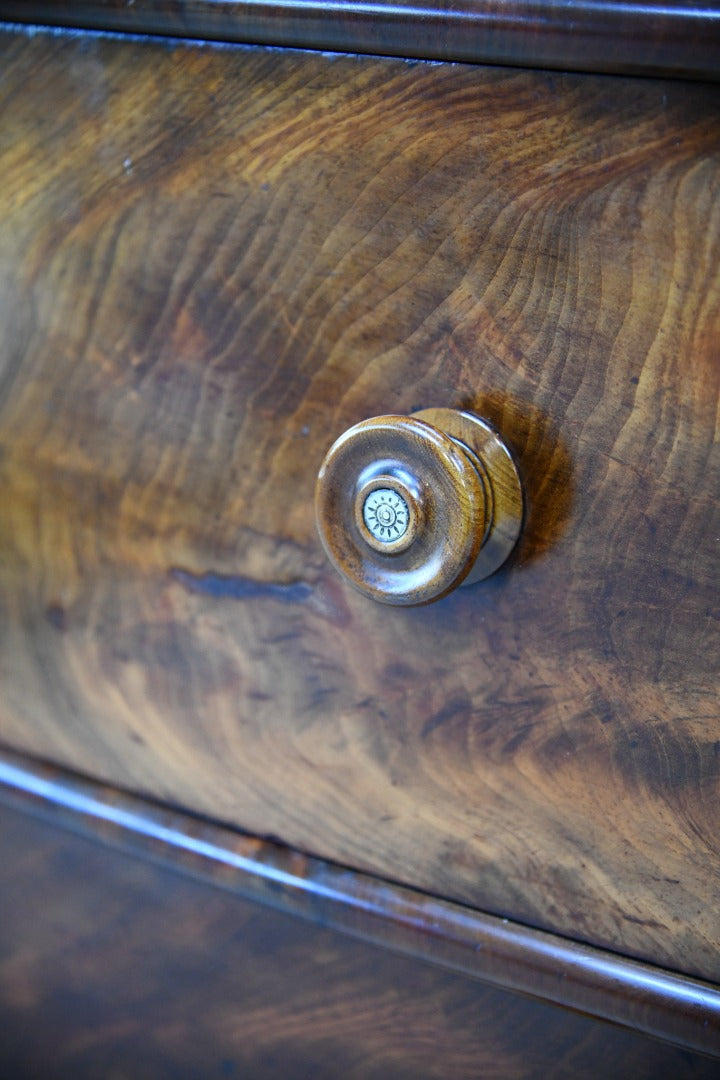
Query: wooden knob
{"points": [[409, 507]]}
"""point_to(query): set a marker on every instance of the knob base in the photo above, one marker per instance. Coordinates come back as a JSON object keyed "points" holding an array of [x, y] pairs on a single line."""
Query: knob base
{"points": [[500, 479]]}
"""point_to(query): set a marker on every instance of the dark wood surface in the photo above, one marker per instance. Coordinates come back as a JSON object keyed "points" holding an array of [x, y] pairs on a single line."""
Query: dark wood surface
{"points": [[212, 262], [632, 36], [644, 999], [112, 966]]}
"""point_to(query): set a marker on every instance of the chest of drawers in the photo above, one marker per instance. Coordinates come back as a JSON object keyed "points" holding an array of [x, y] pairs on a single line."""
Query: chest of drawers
{"points": [[213, 261]]}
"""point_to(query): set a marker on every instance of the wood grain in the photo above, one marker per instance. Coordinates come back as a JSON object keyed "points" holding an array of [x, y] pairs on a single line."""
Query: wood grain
{"points": [[640, 997], [632, 36], [112, 966], [212, 263]]}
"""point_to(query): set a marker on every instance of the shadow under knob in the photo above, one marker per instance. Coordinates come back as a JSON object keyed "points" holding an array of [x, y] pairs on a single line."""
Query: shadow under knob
{"points": [[406, 505]]}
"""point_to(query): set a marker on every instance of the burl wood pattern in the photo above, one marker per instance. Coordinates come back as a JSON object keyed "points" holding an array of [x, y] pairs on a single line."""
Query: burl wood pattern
{"points": [[110, 966], [213, 262]]}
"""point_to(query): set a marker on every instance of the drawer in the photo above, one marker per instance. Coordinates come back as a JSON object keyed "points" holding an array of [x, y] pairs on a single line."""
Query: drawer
{"points": [[213, 261], [181, 979]]}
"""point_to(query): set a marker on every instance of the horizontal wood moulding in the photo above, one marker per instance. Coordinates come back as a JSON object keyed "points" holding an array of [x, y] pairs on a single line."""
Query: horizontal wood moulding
{"points": [[633, 36], [679, 1010], [104, 957], [215, 261]]}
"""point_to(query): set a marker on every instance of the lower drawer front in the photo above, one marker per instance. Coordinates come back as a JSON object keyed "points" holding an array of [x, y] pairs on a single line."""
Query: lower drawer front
{"points": [[212, 262], [136, 971]]}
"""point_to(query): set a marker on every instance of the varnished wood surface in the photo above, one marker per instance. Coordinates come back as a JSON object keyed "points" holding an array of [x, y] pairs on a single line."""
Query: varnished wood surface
{"points": [[645, 999], [213, 262], [631, 36], [111, 966], [446, 505]]}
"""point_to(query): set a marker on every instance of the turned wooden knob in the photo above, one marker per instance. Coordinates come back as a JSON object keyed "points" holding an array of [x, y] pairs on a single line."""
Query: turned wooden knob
{"points": [[409, 507]]}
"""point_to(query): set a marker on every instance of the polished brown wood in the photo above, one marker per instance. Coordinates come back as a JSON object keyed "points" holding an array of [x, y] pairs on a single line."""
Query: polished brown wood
{"points": [[443, 502], [681, 38], [120, 938], [505, 502], [451, 492], [211, 262], [647, 999]]}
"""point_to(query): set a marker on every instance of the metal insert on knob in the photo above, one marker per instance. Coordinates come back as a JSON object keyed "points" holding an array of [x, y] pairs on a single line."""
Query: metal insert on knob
{"points": [[386, 515], [409, 507]]}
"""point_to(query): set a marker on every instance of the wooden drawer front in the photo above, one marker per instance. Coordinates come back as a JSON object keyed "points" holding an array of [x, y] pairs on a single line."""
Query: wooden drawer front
{"points": [[212, 261], [137, 971]]}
